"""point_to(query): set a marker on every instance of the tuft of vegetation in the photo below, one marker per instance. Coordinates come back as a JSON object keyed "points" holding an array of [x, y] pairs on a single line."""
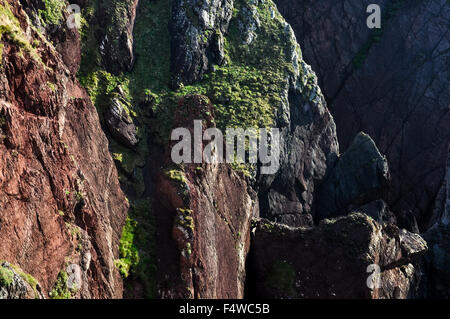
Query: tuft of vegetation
{"points": [[53, 12], [176, 175], [137, 246], [60, 289], [6, 277], [185, 220], [11, 31], [282, 277], [129, 256]]}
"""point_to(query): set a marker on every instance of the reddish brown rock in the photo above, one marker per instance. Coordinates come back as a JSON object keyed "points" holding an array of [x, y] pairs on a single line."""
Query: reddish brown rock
{"points": [[203, 215], [60, 200]]}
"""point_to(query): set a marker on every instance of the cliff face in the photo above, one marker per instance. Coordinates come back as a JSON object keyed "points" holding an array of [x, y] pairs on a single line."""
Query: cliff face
{"points": [[391, 83], [334, 260], [60, 200], [208, 210]]}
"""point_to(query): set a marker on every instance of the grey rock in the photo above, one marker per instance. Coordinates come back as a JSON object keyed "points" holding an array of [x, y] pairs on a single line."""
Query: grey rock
{"points": [[16, 286], [334, 260], [308, 145], [117, 19], [197, 28], [412, 244], [360, 176], [119, 123]]}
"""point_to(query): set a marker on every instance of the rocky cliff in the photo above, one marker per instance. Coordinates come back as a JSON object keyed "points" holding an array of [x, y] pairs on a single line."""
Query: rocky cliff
{"points": [[60, 200], [333, 260], [86, 116], [391, 83]]}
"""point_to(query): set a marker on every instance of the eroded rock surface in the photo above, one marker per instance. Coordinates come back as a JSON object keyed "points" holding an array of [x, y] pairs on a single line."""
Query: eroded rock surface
{"points": [[204, 215], [360, 176], [119, 123], [60, 200], [197, 28]]}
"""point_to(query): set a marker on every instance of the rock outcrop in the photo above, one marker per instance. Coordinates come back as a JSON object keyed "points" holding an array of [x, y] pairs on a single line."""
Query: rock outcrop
{"points": [[347, 257], [391, 83], [203, 215], [308, 144], [60, 200], [15, 284], [360, 176], [116, 21], [197, 44]]}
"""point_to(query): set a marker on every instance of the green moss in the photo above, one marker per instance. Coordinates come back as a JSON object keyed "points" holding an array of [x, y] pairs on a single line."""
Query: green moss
{"points": [[60, 289], [11, 31], [53, 11], [129, 256], [246, 92], [6, 277], [137, 246], [188, 248], [52, 86], [185, 220], [282, 277], [176, 175], [26, 277], [117, 157]]}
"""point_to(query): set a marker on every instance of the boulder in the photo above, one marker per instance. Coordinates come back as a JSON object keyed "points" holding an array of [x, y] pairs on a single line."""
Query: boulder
{"points": [[197, 28], [120, 124]]}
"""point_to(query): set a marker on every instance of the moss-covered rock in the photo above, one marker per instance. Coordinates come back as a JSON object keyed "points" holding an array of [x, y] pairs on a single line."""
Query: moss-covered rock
{"points": [[16, 284]]}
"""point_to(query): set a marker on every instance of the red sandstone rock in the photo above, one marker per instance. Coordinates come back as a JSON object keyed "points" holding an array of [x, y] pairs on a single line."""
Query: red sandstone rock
{"points": [[57, 177], [208, 209]]}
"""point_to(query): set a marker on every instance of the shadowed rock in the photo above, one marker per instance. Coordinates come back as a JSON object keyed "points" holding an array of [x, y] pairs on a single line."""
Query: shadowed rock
{"points": [[332, 260], [360, 176], [116, 19], [120, 125]]}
